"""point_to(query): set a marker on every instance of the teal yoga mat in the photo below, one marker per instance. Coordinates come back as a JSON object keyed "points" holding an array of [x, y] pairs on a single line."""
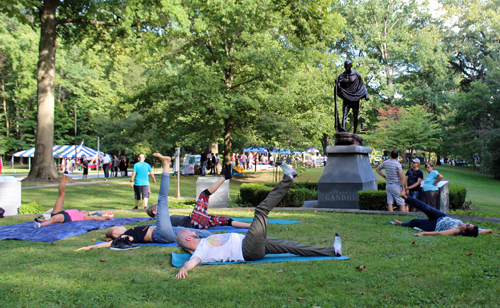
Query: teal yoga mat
{"points": [[179, 258]]}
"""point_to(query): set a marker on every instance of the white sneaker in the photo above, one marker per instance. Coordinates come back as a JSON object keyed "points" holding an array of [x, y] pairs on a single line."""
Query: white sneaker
{"points": [[37, 225]]}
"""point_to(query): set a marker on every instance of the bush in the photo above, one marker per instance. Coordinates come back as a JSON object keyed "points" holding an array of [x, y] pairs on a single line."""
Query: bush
{"points": [[31, 208], [375, 200], [253, 194], [457, 196], [381, 185]]}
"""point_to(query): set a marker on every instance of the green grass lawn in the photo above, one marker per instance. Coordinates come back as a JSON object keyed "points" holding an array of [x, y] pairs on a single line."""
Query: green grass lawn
{"points": [[401, 270]]}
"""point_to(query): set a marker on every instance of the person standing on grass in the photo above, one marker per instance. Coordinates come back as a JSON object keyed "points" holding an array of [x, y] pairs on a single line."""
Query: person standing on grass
{"points": [[105, 165], [437, 222], [116, 162], [431, 190], [199, 218], [140, 181], [255, 244], [395, 181], [162, 232], [85, 166], [413, 178], [60, 216]]}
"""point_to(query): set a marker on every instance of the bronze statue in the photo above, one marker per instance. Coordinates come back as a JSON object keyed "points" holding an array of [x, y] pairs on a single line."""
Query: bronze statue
{"points": [[349, 86]]}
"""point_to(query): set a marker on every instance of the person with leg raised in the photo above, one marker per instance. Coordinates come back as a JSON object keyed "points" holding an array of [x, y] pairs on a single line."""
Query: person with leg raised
{"points": [[255, 244], [162, 232]]}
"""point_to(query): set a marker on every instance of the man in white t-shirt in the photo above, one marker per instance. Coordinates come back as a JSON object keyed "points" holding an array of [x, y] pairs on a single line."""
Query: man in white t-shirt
{"points": [[252, 246], [395, 183]]}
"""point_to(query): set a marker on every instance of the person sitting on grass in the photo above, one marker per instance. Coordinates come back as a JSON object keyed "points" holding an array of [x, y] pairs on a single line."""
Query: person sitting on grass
{"points": [[438, 222], [60, 216], [199, 218], [162, 232], [252, 246]]}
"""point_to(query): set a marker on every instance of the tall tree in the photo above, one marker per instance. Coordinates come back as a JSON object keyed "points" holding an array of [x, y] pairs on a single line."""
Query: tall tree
{"points": [[231, 63]]}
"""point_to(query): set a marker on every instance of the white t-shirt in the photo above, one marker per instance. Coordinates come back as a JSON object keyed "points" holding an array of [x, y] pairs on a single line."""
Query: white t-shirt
{"points": [[225, 247]]}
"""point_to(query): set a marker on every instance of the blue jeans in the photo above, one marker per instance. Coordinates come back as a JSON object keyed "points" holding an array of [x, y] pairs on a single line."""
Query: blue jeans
{"points": [[164, 232], [433, 215], [414, 194]]}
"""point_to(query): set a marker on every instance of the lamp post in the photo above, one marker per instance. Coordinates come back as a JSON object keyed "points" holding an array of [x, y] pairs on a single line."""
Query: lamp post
{"points": [[75, 135]]}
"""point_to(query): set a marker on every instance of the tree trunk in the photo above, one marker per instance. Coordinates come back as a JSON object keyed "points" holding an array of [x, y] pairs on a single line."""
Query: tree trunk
{"points": [[43, 168], [228, 129], [5, 106]]}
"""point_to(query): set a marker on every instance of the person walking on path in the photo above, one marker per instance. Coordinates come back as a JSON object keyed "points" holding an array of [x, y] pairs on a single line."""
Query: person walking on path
{"points": [[252, 246], [395, 181], [105, 165], [85, 166], [140, 181], [431, 190], [413, 178], [116, 162]]}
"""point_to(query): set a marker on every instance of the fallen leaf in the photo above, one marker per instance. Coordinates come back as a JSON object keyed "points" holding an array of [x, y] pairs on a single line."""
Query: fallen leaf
{"points": [[58, 247], [414, 243], [344, 238], [102, 261], [248, 211], [93, 240], [468, 253], [249, 277], [220, 279], [361, 268], [361, 293], [76, 191], [385, 296], [299, 298], [315, 211]]}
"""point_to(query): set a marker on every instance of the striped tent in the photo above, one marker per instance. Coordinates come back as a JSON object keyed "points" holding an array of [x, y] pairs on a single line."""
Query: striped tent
{"points": [[62, 151]]}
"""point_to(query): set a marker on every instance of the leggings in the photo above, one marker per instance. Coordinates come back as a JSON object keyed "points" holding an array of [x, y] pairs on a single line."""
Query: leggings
{"points": [[433, 215]]}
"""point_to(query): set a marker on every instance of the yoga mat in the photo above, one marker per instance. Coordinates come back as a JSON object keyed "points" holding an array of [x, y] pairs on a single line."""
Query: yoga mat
{"points": [[54, 232], [271, 221], [178, 259]]}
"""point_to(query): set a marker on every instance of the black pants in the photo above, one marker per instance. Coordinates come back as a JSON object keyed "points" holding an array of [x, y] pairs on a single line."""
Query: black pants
{"points": [[105, 168]]}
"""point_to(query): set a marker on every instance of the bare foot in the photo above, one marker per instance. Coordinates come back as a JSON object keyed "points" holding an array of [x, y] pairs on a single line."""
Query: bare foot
{"points": [[397, 222], [165, 160]]}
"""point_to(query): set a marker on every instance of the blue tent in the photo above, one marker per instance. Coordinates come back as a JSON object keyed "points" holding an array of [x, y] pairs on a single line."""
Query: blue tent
{"points": [[296, 152], [312, 150], [255, 149]]}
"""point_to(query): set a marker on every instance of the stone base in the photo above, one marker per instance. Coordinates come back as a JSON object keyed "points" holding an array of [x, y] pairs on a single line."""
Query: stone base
{"points": [[347, 171], [219, 199], [348, 139]]}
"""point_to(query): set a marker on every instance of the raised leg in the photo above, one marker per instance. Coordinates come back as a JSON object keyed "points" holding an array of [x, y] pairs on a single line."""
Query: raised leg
{"points": [[163, 232], [254, 243], [274, 246], [58, 207], [431, 212]]}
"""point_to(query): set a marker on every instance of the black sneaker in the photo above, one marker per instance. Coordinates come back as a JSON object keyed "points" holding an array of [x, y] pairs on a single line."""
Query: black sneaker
{"points": [[122, 243]]}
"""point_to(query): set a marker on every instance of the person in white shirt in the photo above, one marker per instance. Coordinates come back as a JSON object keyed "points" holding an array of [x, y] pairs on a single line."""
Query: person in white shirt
{"points": [[252, 246], [105, 165]]}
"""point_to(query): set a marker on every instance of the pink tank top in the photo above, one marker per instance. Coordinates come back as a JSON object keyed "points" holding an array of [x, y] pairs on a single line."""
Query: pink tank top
{"points": [[75, 215]]}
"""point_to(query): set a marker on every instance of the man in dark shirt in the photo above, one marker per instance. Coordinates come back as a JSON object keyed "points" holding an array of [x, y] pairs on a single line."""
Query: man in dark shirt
{"points": [[203, 163], [413, 178]]}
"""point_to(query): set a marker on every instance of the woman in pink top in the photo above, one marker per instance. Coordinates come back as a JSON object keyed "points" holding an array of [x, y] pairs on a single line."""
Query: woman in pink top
{"points": [[60, 216]]}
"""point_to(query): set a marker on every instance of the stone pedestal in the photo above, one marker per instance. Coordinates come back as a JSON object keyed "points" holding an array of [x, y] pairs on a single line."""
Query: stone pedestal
{"points": [[10, 195], [347, 171], [444, 197], [220, 199]]}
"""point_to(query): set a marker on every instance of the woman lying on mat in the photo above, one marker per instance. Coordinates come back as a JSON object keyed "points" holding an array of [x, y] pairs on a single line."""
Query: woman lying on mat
{"points": [[60, 216], [162, 232], [199, 218], [437, 222]]}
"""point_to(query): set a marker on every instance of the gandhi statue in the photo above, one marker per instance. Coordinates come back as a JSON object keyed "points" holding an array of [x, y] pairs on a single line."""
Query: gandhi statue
{"points": [[349, 86]]}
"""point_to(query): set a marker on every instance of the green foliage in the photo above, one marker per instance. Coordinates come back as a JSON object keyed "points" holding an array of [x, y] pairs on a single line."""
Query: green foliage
{"points": [[253, 194], [458, 194], [405, 129], [31, 208], [375, 200]]}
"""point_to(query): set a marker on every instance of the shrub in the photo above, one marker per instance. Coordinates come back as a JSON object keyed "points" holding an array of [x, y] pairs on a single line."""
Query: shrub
{"points": [[31, 208], [253, 194], [457, 196], [381, 185], [373, 200]]}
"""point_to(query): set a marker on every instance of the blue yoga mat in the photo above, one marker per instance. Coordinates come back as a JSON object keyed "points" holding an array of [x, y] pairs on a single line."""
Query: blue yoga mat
{"points": [[271, 221], [54, 232], [178, 259]]}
